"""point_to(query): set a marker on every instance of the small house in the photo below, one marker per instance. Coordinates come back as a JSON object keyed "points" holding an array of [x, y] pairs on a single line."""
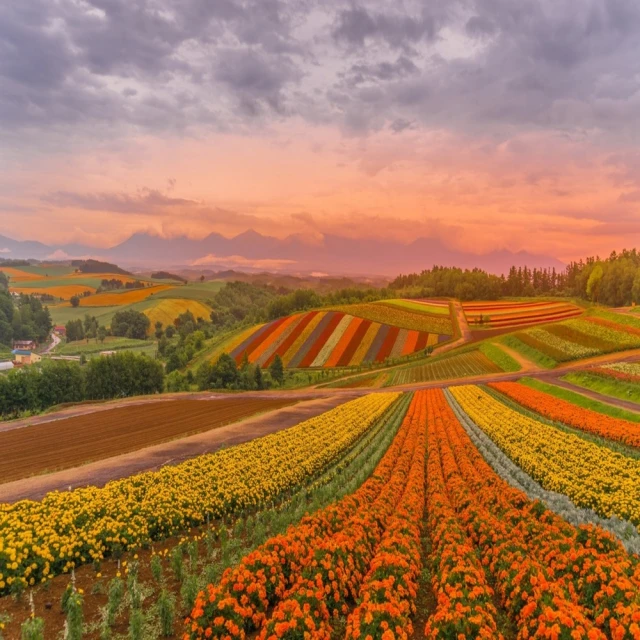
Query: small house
{"points": [[25, 357], [60, 329]]}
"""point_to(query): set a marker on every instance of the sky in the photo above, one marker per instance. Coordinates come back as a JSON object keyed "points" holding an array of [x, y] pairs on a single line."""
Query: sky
{"points": [[487, 124]]}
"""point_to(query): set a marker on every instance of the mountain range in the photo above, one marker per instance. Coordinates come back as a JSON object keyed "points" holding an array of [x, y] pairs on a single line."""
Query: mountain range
{"points": [[252, 251]]}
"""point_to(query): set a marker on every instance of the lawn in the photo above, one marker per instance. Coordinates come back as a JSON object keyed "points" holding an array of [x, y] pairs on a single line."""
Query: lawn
{"points": [[94, 346], [529, 351]]}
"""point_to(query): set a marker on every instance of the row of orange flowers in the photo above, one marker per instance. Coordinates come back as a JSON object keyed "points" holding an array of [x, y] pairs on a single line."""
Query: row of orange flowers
{"points": [[388, 593], [239, 603], [464, 598], [557, 580], [570, 414], [539, 605], [331, 576]]}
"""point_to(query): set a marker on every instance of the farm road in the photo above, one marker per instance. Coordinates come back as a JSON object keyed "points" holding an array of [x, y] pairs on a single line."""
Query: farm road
{"points": [[169, 453]]}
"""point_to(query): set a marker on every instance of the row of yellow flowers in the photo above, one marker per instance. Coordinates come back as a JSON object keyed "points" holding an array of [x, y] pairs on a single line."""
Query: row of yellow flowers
{"points": [[40, 539], [592, 476]]}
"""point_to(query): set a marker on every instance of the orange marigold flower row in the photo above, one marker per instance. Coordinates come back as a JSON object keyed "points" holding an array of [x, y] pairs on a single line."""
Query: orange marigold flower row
{"points": [[548, 573]]}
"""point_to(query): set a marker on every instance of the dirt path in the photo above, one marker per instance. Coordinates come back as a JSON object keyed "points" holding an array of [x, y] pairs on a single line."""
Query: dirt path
{"points": [[526, 364], [465, 332], [150, 458], [628, 405]]}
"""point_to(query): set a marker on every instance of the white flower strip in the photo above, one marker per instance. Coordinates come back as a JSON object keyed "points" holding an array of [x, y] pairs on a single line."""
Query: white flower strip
{"points": [[332, 342], [557, 502]]}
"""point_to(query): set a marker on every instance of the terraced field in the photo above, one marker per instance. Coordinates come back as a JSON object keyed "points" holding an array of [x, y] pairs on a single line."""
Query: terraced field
{"points": [[507, 315], [334, 339], [591, 335]]}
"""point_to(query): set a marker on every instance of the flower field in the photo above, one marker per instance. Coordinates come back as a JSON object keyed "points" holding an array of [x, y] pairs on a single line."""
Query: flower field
{"points": [[463, 365], [167, 310], [41, 539], [429, 307], [559, 410], [579, 338], [364, 548], [401, 313], [623, 371], [591, 475], [129, 296], [551, 579], [494, 315], [65, 292], [330, 339]]}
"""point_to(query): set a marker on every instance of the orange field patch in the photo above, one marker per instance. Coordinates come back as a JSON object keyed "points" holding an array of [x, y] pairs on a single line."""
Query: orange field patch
{"points": [[64, 292], [17, 275], [110, 299]]}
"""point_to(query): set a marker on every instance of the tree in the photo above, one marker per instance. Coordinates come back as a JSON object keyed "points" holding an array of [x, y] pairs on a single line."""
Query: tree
{"points": [[202, 278], [159, 331], [75, 301], [170, 331], [259, 379], [130, 324], [102, 334], [276, 369], [593, 284]]}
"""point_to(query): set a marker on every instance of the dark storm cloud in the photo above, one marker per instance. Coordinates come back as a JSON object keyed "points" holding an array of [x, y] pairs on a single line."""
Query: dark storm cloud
{"points": [[100, 67]]}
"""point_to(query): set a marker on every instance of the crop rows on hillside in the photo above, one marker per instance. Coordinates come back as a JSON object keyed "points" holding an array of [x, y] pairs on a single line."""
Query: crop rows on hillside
{"points": [[330, 339], [493, 315]]}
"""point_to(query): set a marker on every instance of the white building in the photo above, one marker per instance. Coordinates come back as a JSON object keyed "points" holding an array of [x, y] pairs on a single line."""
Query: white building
{"points": [[6, 366]]}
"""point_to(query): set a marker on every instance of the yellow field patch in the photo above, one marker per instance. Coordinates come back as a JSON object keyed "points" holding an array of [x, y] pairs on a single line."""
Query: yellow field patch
{"points": [[166, 311], [65, 292], [17, 275], [110, 299]]}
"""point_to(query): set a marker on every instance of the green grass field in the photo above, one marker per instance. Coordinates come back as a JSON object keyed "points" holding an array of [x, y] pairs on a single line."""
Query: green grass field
{"points": [[62, 315], [111, 343], [88, 281], [499, 357], [52, 270], [580, 400], [193, 291], [528, 352], [608, 387]]}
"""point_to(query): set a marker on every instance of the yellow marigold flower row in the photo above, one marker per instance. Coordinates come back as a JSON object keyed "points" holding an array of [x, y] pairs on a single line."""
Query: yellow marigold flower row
{"points": [[67, 529], [592, 476]]}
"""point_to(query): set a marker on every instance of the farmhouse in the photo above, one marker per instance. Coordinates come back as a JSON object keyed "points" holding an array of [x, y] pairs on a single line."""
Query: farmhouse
{"points": [[60, 329], [25, 345], [25, 357]]}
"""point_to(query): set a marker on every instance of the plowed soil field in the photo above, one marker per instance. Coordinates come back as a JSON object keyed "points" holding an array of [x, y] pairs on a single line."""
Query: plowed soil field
{"points": [[63, 444]]}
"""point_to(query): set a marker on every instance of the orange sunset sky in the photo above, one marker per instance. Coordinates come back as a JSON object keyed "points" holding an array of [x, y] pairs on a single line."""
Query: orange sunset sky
{"points": [[487, 124]]}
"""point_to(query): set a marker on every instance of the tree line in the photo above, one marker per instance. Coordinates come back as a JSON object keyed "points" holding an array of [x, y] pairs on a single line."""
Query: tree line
{"points": [[612, 281], [52, 382]]}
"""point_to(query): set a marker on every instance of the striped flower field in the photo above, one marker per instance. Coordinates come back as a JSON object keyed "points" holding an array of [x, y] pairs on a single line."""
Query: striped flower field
{"points": [[330, 339]]}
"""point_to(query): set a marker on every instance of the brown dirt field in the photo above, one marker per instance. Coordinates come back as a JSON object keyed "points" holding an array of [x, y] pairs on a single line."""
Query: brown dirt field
{"points": [[64, 444], [171, 453]]}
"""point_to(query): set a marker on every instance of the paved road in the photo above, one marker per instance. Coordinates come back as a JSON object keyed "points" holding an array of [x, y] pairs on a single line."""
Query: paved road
{"points": [[55, 341]]}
